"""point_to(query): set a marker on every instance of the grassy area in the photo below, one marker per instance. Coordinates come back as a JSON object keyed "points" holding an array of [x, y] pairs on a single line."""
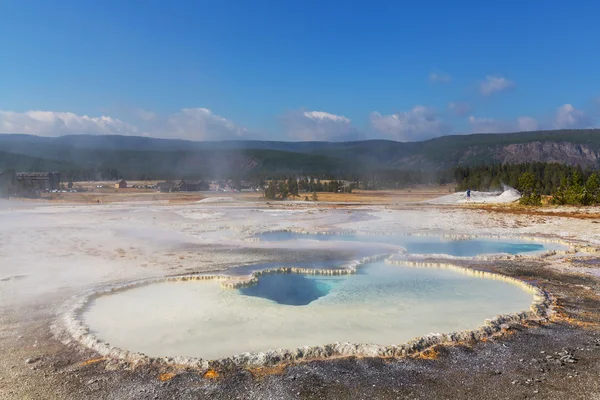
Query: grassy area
{"points": [[108, 194]]}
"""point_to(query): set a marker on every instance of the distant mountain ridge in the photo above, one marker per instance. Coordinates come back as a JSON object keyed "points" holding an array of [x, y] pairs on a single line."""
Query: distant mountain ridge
{"points": [[172, 157]]}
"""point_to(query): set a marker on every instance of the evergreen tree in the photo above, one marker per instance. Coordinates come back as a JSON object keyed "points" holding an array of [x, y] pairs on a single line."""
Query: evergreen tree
{"points": [[292, 185], [318, 186], [560, 196], [574, 193], [271, 191], [283, 190], [311, 185], [529, 194], [592, 190]]}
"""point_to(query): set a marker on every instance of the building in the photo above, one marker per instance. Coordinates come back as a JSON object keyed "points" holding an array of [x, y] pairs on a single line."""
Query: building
{"points": [[37, 181], [167, 187], [121, 184], [192, 186]]}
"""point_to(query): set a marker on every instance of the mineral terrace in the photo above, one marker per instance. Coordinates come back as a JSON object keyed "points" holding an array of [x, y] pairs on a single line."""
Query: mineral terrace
{"points": [[54, 255]]}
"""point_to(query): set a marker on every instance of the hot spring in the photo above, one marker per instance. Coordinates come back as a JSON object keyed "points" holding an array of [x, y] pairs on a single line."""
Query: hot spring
{"points": [[382, 304], [469, 247]]}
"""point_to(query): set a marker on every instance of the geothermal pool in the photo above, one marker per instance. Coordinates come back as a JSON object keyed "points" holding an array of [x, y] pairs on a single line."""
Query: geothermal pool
{"points": [[421, 244], [382, 304]]}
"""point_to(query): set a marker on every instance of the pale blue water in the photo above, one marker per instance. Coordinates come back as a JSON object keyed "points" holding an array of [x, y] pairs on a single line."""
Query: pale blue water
{"points": [[374, 282], [384, 304], [421, 244]]}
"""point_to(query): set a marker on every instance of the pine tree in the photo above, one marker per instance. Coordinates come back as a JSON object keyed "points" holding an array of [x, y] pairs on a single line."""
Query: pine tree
{"points": [[529, 195], [292, 185], [592, 190], [271, 191], [575, 190], [283, 190], [560, 197]]}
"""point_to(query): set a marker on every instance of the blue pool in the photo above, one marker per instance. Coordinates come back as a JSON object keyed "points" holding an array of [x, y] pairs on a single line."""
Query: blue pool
{"points": [[290, 289], [421, 244], [384, 304]]}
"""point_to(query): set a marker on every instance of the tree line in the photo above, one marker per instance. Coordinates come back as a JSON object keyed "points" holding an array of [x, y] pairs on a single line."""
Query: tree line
{"points": [[547, 177], [573, 190], [293, 187], [563, 184]]}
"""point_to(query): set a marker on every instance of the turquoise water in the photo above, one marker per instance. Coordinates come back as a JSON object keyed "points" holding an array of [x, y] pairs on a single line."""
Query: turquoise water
{"points": [[420, 244], [289, 289], [374, 282]]}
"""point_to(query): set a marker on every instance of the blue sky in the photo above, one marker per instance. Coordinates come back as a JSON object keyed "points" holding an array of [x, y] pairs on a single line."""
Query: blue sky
{"points": [[297, 70]]}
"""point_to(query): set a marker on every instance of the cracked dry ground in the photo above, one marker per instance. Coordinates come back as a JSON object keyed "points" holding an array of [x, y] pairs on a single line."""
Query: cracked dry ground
{"points": [[559, 359]]}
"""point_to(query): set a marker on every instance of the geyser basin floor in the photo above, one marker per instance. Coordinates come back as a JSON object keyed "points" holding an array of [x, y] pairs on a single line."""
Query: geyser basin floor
{"points": [[424, 244], [385, 304]]}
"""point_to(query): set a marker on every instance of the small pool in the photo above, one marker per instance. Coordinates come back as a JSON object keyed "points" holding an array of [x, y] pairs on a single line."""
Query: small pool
{"points": [[384, 304], [422, 244], [290, 289]]}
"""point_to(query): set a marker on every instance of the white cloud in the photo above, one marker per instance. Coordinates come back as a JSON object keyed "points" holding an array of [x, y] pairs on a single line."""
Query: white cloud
{"points": [[491, 125], [198, 124], [459, 108], [417, 124], [324, 116], [488, 125], [50, 123], [494, 84], [439, 77], [318, 126], [144, 115], [568, 117], [527, 124], [189, 123]]}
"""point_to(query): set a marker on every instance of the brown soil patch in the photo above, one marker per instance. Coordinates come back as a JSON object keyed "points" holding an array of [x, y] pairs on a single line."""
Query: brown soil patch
{"points": [[429, 354], [211, 374], [166, 377], [583, 213], [93, 361]]}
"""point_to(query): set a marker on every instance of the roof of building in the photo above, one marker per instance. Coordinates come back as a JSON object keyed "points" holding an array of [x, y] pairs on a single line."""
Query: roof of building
{"points": [[33, 174], [189, 182]]}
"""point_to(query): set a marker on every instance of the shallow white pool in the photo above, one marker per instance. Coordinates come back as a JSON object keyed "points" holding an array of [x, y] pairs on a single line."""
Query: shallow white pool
{"points": [[383, 304]]}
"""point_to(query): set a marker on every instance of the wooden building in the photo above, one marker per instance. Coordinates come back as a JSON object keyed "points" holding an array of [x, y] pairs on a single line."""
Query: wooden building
{"points": [[167, 187], [192, 186]]}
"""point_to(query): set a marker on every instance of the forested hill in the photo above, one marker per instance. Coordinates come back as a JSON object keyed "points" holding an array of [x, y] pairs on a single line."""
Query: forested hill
{"points": [[141, 157]]}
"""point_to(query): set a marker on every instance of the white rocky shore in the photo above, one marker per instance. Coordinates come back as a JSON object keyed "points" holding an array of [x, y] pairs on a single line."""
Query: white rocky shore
{"points": [[508, 195]]}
